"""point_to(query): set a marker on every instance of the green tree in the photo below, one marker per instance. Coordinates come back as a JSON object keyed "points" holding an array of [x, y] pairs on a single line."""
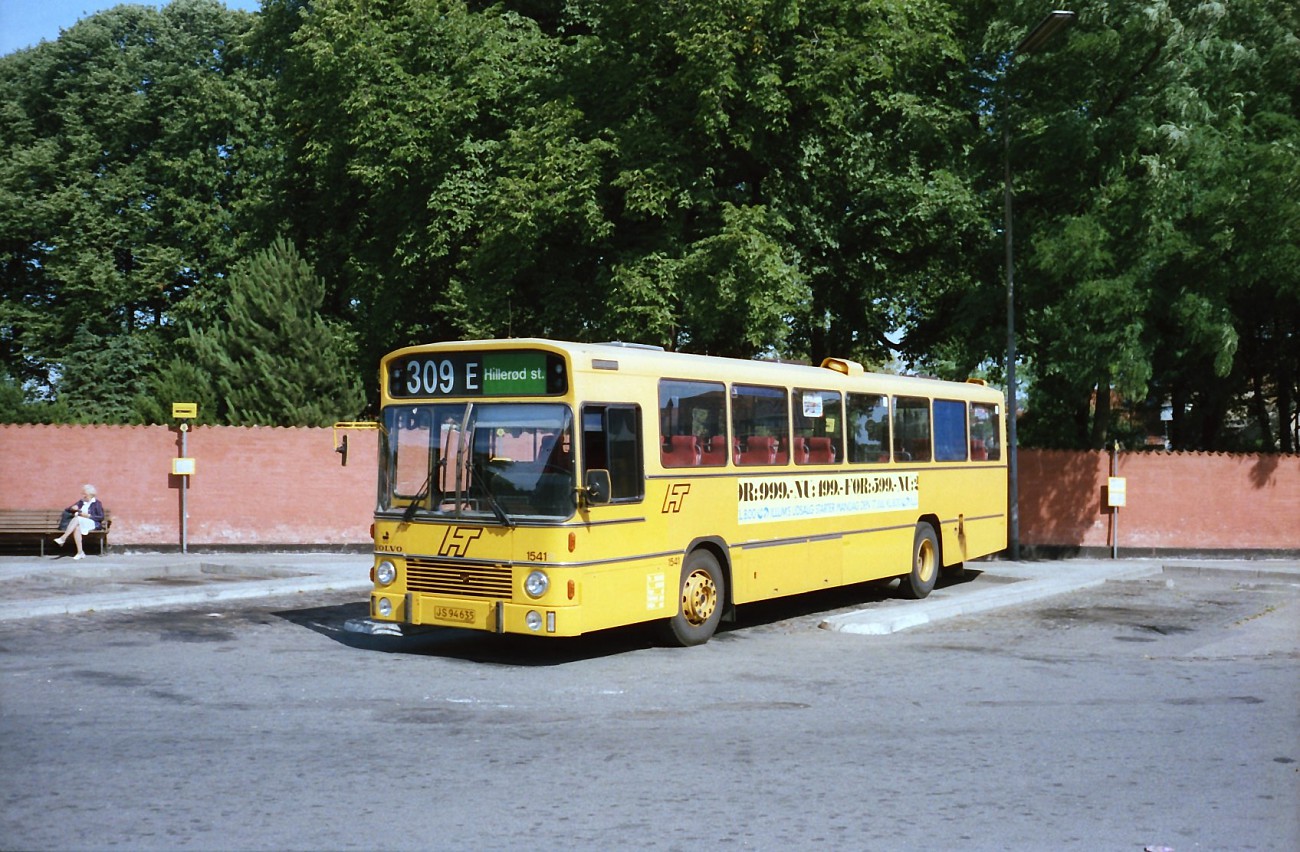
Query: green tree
{"points": [[273, 359], [134, 157], [1152, 152], [728, 177]]}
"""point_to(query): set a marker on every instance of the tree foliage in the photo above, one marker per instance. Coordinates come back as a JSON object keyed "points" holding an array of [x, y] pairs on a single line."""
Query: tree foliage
{"points": [[273, 359], [132, 152], [745, 177]]}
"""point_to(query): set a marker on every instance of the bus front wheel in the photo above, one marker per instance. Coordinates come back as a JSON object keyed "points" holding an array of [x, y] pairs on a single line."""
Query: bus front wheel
{"points": [[703, 591], [920, 581]]}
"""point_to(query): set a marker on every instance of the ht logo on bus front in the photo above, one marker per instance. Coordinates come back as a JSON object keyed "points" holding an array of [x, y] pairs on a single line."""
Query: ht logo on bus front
{"points": [[457, 540]]}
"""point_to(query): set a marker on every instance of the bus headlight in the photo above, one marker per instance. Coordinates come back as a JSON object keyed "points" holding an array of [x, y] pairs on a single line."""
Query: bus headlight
{"points": [[385, 573], [534, 620], [385, 607], [536, 584]]}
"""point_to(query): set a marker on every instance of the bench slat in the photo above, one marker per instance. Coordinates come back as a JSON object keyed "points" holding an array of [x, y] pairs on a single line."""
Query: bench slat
{"points": [[44, 523]]}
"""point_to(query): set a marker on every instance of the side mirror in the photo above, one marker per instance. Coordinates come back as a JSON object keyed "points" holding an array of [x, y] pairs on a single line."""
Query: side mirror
{"points": [[598, 487]]}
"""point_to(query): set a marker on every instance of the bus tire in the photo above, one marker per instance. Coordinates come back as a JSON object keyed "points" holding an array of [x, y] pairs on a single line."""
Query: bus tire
{"points": [[920, 581], [703, 589]]}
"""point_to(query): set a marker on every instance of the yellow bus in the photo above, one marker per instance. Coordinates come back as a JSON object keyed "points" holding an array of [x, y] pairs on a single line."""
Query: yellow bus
{"points": [[547, 488]]}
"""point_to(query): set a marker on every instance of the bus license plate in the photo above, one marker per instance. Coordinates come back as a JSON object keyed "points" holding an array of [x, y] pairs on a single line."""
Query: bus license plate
{"points": [[457, 614]]}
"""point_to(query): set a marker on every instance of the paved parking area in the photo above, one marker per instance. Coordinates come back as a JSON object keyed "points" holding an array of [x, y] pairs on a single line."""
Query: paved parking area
{"points": [[35, 587]]}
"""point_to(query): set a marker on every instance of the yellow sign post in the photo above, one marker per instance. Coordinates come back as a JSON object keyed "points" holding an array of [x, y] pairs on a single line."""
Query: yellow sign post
{"points": [[183, 466], [341, 441], [1116, 491]]}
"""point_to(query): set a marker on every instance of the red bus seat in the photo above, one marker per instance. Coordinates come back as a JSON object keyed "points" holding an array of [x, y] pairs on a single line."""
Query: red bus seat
{"points": [[759, 449], [821, 451], [715, 451], [682, 451]]}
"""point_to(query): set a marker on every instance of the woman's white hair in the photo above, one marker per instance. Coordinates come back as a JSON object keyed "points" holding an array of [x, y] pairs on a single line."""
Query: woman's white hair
{"points": [[89, 489]]}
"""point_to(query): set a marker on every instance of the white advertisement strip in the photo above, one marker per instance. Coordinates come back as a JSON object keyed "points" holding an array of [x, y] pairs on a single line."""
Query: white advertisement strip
{"points": [[772, 498]]}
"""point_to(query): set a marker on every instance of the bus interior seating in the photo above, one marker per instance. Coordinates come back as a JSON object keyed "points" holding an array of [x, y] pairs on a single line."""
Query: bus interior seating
{"points": [[682, 451], [821, 451], [800, 448], [714, 453], [759, 449]]}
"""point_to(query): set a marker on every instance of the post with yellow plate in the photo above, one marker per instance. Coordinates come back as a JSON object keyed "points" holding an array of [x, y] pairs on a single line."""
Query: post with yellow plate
{"points": [[341, 441], [183, 466], [1116, 496]]}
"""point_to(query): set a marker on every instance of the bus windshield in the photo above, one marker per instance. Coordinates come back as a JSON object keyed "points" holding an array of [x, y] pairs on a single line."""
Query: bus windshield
{"points": [[480, 461]]}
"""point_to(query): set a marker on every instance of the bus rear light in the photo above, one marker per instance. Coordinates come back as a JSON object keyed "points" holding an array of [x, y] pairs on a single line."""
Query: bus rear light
{"points": [[372, 532], [573, 541], [573, 587]]}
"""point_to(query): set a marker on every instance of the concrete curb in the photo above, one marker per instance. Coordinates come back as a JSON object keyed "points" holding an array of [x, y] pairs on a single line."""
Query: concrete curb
{"points": [[34, 588], [893, 617], [187, 597]]}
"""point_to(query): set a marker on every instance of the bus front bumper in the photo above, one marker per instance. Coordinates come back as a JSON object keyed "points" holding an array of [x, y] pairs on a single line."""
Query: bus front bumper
{"points": [[469, 614]]}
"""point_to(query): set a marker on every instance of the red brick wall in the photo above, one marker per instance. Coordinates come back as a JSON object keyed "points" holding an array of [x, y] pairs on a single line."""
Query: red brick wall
{"points": [[252, 486], [1176, 501], [272, 487]]}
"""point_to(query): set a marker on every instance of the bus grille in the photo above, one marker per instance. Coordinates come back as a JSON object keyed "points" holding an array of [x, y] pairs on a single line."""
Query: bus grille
{"points": [[458, 579]]}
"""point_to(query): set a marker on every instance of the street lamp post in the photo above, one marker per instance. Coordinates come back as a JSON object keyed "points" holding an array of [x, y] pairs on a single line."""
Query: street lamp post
{"points": [[1040, 35]]}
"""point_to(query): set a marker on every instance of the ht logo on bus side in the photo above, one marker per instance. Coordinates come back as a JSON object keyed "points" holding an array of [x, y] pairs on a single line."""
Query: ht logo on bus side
{"points": [[457, 540], [675, 497]]}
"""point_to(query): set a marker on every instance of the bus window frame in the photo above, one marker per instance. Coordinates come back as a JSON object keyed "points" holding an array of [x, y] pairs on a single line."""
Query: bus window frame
{"points": [[947, 446], [797, 407], [637, 455], [884, 453], [781, 453], [902, 434], [707, 443]]}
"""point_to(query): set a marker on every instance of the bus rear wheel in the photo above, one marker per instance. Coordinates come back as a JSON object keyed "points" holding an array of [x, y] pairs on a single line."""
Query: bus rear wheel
{"points": [[920, 581], [703, 591]]}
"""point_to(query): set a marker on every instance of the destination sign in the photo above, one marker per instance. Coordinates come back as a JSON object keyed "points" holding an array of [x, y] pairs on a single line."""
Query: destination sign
{"points": [[515, 372]]}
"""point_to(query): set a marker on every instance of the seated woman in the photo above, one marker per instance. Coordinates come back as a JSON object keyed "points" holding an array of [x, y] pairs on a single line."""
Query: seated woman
{"points": [[87, 516]]}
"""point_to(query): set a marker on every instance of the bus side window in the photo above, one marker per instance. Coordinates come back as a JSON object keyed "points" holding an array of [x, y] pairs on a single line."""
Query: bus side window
{"points": [[692, 423], [611, 440], [818, 426], [949, 430], [911, 428], [985, 429], [760, 417], [868, 429]]}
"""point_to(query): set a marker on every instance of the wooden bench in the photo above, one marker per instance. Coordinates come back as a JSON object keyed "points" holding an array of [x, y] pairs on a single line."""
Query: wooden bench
{"points": [[42, 526]]}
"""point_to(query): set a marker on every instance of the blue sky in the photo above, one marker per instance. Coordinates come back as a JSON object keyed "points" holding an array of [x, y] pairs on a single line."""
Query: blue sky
{"points": [[24, 23]]}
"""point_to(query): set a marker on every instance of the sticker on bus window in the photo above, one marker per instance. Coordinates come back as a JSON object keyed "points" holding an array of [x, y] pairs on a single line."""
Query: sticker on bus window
{"points": [[812, 405]]}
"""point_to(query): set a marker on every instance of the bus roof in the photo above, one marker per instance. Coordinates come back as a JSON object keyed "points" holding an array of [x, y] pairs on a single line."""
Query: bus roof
{"points": [[637, 359]]}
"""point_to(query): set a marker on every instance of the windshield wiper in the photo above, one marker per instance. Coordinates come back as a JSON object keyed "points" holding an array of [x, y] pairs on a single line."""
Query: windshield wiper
{"points": [[492, 498], [422, 494]]}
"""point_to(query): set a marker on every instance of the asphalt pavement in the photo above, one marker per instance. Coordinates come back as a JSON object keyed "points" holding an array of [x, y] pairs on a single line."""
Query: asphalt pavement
{"points": [[41, 587]]}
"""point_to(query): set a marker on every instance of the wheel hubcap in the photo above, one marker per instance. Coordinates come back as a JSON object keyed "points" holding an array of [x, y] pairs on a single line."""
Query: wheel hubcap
{"points": [[925, 562], [699, 597]]}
